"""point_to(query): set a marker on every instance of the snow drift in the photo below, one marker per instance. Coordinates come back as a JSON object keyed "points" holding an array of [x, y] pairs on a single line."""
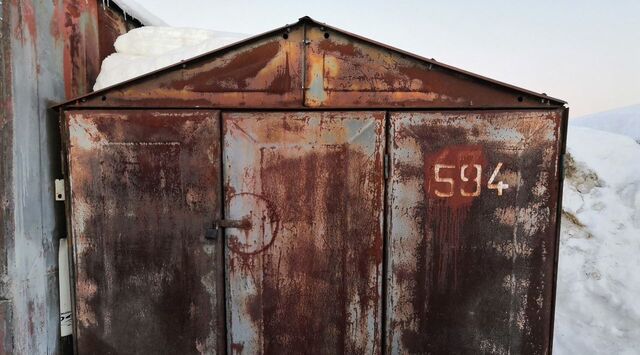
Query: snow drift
{"points": [[598, 296], [145, 49], [625, 121]]}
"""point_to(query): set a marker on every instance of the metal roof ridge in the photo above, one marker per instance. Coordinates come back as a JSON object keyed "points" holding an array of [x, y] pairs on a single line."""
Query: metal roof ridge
{"points": [[309, 20]]}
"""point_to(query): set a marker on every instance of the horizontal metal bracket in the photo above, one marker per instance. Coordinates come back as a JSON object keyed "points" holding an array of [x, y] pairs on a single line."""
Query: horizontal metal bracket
{"points": [[219, 224], [230, 223]]}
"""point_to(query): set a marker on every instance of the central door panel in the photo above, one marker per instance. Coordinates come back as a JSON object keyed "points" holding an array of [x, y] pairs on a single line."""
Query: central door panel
{"points": [[304, 272]]}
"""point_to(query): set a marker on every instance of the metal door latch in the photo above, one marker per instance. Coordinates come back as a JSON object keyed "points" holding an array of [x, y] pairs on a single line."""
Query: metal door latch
{"points": [[218, 225]]}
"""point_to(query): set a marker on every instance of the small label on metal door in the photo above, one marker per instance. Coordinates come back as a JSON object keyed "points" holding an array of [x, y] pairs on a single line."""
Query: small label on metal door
{"points": [[59, 189]]}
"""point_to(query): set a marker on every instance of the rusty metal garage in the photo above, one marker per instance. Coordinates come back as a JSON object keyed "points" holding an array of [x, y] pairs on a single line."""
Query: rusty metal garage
{"points": [[308, 190]]}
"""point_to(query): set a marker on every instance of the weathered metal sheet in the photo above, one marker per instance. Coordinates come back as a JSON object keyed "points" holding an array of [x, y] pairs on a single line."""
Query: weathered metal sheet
{"points": [[6, 177], [264, 73], [310, 64], [75, 26], [6, 343], [344, 71], [307, 276], [46, 52], [32, 78], [145, 186], [111, 24], [472, 231]]}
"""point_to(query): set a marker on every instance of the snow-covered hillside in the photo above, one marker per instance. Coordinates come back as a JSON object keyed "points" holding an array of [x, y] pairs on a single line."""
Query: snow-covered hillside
{"points": [[598, 298], [625, 120], [145, 49]]}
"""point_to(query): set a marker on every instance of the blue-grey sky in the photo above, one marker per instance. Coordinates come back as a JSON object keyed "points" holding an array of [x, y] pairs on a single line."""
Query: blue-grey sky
{"points": [[583, 51]]}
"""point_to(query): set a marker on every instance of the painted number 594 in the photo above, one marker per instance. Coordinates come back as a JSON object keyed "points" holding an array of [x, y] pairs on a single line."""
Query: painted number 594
{"points": [[464, 170]]}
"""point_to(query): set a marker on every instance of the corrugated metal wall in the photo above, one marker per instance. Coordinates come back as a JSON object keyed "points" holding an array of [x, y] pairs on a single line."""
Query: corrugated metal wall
{"points": [[49, 51]]}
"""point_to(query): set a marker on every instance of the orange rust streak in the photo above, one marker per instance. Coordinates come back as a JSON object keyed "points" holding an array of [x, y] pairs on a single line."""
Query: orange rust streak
{"points": [[80, 59], [449, 213], [26, 20]]}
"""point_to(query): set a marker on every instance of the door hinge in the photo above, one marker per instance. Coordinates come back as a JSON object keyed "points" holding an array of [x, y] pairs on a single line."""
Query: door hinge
{"points": [[59, 189]]}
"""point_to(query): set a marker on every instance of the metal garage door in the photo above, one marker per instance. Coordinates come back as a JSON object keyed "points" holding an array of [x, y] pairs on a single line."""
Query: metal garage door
{"points": [[145, 186], [306, 276], [472, 236], [469, 207]]}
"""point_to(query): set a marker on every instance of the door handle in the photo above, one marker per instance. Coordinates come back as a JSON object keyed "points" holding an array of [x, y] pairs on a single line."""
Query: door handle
{"points": [[218, 225]]}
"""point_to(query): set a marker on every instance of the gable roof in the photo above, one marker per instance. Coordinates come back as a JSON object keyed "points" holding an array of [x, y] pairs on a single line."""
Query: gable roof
{"points": [[312, 65]]}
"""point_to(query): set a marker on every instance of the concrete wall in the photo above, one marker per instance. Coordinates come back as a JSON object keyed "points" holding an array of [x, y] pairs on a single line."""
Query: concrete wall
{"points": [[49, 52]]}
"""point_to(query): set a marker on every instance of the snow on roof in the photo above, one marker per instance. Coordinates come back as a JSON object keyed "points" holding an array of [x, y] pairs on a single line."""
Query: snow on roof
{"points": [[145, 49], [137, 11]]}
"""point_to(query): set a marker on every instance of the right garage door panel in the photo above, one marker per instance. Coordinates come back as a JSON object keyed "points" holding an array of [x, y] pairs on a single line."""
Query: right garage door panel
{"points": [[472, 231]]}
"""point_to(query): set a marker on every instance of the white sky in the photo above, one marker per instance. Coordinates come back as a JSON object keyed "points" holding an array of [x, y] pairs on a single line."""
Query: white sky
{"points": [[585, 52]]}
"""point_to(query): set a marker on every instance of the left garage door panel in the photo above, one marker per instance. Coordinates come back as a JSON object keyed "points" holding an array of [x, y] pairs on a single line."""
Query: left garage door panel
{"points": [[145, 186]]}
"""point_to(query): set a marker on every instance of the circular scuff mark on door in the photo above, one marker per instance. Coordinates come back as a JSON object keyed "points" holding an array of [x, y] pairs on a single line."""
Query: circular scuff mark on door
{"points": [[264, 219]]}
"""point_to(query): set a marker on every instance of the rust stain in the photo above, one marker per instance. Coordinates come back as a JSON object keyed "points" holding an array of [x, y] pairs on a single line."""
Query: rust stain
{"points": [[146, 187], [467, 262], [344, 49], [317, 286], [273, 219], [56, 28], [111, 24], [26, 21], [81, 61], [241, 70], [448, 214], [237, 348], [266, 73], [347, 72], [340, 71]]}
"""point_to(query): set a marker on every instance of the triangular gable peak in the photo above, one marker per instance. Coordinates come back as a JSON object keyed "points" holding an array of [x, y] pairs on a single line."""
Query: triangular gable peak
{"points": [[338, 69]]}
